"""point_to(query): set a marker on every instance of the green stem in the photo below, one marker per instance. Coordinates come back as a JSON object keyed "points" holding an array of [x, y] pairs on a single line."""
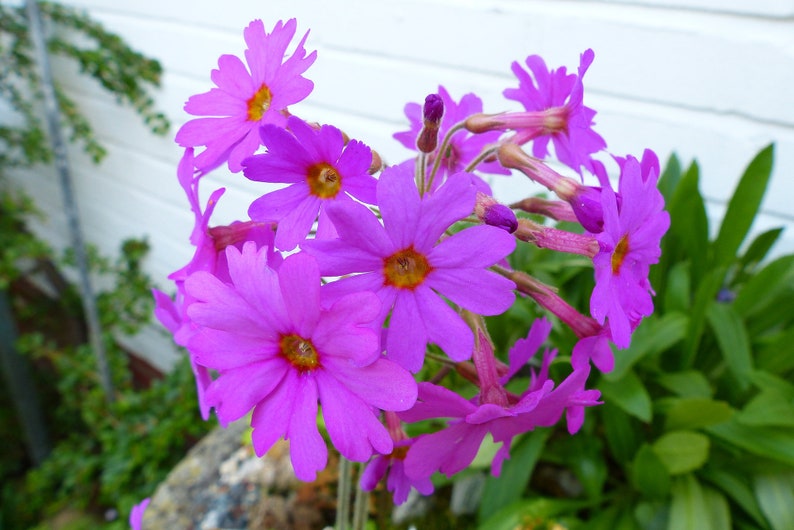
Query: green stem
{"points": [[360, 508], [343, 494]]}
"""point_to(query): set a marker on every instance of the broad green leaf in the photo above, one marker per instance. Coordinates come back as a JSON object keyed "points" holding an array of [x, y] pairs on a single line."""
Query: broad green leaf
{"points": [[769, 442], [649, 474], [743, 207], [696, 412], [587, 462], [682, 451], [759, 248], [689, 383], [777, 355], [653, 336], [677, 294], [719, 511], [629, 394], [735, 484], [762, 288], [688, 237], [670, 177], [689, 509], [704, 298], [769, 408], [775, 493], [539, 510], [732, 338], [766, 381], [621, 432], [509, 486]]}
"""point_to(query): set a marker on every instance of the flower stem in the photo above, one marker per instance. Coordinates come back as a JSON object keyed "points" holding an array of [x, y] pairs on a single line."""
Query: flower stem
{"points": [[343, 494], [360, 508]]}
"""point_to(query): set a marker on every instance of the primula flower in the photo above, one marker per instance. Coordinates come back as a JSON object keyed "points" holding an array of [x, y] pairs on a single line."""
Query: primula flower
{"points": [[566, 121], [463, 148], [136, 515], [402, 262], [209, 256], [397, 481], [629, 245], [246, 98], [494, 411], [277, 352], [319, 168]]}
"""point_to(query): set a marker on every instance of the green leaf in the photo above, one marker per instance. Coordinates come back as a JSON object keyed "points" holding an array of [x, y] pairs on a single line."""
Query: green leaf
{"points": [[653, 336], [719, 511], [537, 510], [516, 471], [693, 413], [769, 442], [704, 298], [649, 474], [766, 381], [769, 408], [759, 248], [689, 383], [670, 177], [736, 485], [621, 432], [688, 237], [762, 288], [732, 338], [743, 207], [677, 294], [777, 355], [682, 451], [689, 509], [629, 394], [775, 493]]}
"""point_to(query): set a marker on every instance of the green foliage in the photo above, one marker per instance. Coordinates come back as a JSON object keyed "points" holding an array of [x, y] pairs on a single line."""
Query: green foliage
{"points": [[100, 54], [697, 428]]}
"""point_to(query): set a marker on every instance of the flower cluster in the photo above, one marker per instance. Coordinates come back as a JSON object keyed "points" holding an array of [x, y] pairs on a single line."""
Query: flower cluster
{"points": [[332, 292]]}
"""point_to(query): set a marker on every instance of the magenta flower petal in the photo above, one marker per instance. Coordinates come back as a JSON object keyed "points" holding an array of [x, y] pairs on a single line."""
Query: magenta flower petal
{"points": [[382, 383], [407, 337], [436, 401], [238, 390], [488, 293], [271, 417], [308, 452], [399, 204], [299, 278], [443, 325], [476, 246], [354, 430], [448, 451]]}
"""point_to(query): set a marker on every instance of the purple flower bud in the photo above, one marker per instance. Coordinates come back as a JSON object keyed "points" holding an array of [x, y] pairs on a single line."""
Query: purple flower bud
{"points": [[433, 109], [432, 113], [495, 214], [586, 204]]}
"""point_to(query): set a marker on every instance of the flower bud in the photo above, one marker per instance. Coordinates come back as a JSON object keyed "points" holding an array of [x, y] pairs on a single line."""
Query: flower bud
{"points": [[492, 213], [433, 111]]}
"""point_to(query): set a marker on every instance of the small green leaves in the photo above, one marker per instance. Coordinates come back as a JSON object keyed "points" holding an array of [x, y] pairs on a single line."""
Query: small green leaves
{"points": [[682, 451]]}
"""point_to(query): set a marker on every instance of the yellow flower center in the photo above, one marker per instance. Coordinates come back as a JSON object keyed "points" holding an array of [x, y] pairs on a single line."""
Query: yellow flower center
{"points": [[299, 352], [405, 269], [259, 103], [324, 181], [400, 452], [619, 254]]}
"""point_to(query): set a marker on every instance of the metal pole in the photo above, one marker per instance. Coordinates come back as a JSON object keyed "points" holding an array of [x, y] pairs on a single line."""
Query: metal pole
{"points": [[20, 386], [70, 206]]}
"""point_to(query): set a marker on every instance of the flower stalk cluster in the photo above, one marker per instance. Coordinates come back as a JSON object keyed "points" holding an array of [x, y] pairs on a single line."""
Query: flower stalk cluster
{"points": [[330, 291]]}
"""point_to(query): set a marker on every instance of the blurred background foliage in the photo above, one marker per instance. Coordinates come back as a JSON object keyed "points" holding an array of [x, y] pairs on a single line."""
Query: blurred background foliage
{"points": [[105, 456]]}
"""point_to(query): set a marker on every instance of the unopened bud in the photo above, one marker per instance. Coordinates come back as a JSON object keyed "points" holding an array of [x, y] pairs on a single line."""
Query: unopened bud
{"points": [[432, 113], [492, 213]]}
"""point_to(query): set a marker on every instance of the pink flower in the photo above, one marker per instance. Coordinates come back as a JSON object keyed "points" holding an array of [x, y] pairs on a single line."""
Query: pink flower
{"points": [[209, 256], [319, 168], [402, 261], [277, 352], [246, 98], [464, 147], [136, 515], [493, 410], [629, 245], [565, 120], [397, 481]]}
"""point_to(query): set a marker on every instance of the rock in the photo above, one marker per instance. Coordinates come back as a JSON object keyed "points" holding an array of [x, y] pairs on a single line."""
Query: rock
{"points": [[222, 485]]}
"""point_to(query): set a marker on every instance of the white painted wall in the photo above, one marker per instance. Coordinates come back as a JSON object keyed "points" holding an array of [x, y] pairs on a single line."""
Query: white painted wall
{"points": [[707, 79]]}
